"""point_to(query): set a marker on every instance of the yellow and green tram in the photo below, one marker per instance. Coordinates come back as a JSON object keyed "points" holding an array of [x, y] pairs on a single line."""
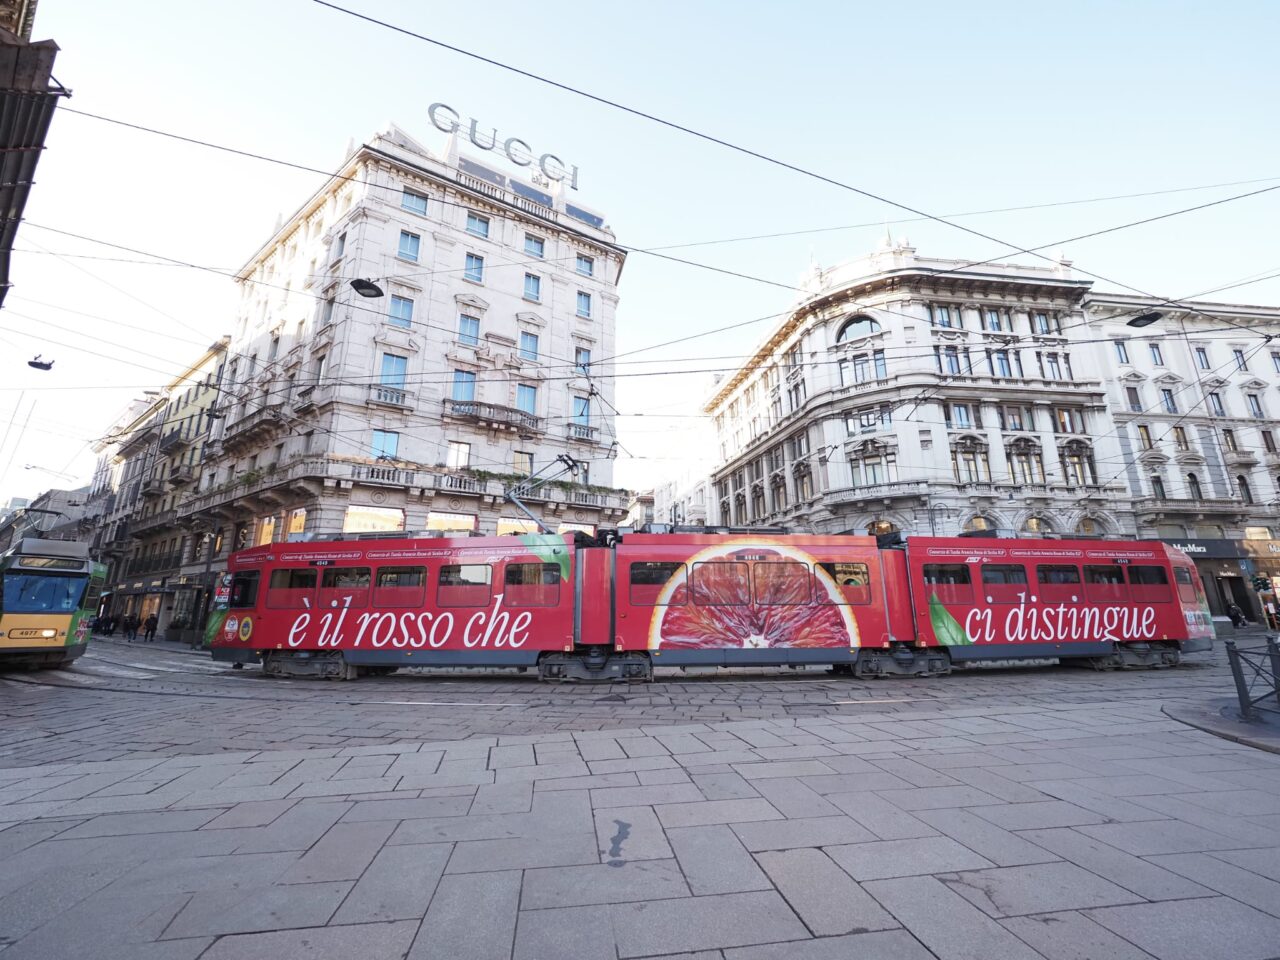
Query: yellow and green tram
{"points": [[50, 591]]}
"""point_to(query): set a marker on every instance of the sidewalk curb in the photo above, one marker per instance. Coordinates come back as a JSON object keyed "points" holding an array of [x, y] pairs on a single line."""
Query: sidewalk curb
{"points": [[1214, 723]]}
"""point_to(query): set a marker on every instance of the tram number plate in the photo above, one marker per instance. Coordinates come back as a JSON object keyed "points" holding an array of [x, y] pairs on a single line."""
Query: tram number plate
{"points": [[321, 563], [25, 634]]}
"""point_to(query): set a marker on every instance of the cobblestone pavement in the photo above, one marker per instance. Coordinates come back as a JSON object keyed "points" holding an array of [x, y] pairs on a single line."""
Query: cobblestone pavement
{"points": [[156, 806]]}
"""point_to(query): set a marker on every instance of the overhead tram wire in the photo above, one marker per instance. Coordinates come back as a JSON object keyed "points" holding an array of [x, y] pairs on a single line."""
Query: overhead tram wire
{"points": [[746, 151]]}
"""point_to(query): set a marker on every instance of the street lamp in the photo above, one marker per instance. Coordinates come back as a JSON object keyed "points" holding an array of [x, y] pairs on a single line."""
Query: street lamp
{"points": [[1144, 319], [39, 364], [933, 526], [366, 288]]}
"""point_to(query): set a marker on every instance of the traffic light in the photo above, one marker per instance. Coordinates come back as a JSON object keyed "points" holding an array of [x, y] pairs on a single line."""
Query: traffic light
{"points": [[1262, 584]]}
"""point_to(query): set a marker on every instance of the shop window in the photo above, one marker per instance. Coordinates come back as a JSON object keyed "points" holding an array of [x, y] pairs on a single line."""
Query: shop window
{"points": [[291, 589], [648, 579], [464, 585], [400, 587], [531, 585]]}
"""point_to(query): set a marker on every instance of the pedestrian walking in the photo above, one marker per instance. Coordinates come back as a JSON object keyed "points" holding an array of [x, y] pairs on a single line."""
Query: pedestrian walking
{"points": [[111, 625], [130, 627], [1236, 615], [149, 628]]}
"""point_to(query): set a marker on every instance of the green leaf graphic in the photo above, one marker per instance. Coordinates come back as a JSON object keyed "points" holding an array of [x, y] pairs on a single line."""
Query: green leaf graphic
{"points": [[549, 548], [948, 632]]}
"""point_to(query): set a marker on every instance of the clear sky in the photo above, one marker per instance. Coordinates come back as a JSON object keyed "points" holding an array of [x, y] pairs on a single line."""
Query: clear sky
{"points": [[950, 108]]}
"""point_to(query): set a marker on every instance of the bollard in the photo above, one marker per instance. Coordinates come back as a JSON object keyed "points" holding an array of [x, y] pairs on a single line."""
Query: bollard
{"points": [[1242, 687]]}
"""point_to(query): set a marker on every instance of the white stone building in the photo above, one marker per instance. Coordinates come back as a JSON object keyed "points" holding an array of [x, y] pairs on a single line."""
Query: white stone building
{"points": [[476, 363]]}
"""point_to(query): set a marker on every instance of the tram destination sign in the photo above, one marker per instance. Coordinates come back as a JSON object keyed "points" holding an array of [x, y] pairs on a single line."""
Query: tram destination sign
{"points": [[447, 120]]}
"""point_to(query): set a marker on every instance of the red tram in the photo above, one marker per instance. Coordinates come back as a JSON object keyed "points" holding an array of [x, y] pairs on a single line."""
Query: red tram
{"points": [[579, 609]]}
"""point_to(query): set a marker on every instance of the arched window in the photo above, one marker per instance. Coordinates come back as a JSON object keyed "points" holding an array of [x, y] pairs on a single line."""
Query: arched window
{"points": [[877, 527], [1037, 525], [978, 524], [1193, 487], [856, 328], [1242, 485], [1089, 527]]}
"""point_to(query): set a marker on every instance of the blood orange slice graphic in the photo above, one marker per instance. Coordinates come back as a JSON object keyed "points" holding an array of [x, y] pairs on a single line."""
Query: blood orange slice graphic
{"points": [[751, 594]]}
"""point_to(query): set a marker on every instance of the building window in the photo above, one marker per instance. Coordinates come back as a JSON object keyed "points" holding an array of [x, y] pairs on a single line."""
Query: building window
{"points": [[584, 304], [1202, 358], [528, 345], [971, 466], [1016, 418], [1122, 351], [1000, 364], [413, 202], [1180, 439], [386, 444], [410, 243], [474, 270], [401, 312], [1068, 420], [1135, 401], [1229, 440], [459, 455], [1275, 361], [534, 246], [532, 287], [948, 360], [1268, 441], [582, 411], [393, 372], [1157, 488], [326, 316], [526, 398], [1041, 324], [1054, 366], [1144, 436], [464, 385], [339, 246], [582, 360], [1157, 356], [995, 321], [940, 316], [1255, 405], [1170, 404], [522, 462], [1193, 487], [477, 225], [1215, 405], [1246, 493], [468, 330], [586, 265], [869, 419], [1078, 465], [1241, 363]]}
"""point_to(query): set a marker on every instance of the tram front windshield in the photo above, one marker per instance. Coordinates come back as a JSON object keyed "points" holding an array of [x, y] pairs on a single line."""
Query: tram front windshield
{"points": [[42, 593]]}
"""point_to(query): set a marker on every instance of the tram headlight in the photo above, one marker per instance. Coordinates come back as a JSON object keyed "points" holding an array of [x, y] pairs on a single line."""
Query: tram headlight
{"points": [[48, 633]]}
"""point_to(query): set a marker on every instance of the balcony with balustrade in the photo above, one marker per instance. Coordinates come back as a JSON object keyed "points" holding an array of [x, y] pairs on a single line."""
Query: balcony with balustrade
{"points": [[382, 395], [254, 427], [493, 416], [172, 442]]}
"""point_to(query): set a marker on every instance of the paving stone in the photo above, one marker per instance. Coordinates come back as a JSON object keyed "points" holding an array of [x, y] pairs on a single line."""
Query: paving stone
{"points": [[643, 747], [804, 832], [946, 923], [255, 813], [415, 809], [513, 756], [1039, 815], [889, 945], [295, 829], [1035, 888], [602, 749], [631, 764], [715, 811], [793, 768], [601, 883], [1161, 836], [1113, 809], [341, 854], [111, 928], [824, 896], [905, 858], [850, 782], [1208, 929], [1225, 878], [53, 893], [472, 917], [563, 932], [793, 799], [702, 923], [1142, 877], [879, 816], [398, 885], [916, 774], [646, 796], [522, 853], [937, 798], [1265, 861], [600, 781], [381, 941], [990, 781], [194, 874], [649, 778], [502, 798], [715, 861], [985, 839], [543, 771], [124, 824], [253, 909], [624, 834], [1071, 936], [724, 786], [342, 788]]}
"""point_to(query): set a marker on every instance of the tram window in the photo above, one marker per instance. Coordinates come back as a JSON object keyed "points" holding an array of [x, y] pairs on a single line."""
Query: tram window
{"points": [[1149, 584], [41, 593], [1004, 582], [464, 585], [649, 577], [400, 587], [531, 584], [1187, 592], [1058, 583], [287, 589], [950, 582], [852, 579], [782, 584], [344, 587], [1105, 584], [244, 589], [721, 584]]}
